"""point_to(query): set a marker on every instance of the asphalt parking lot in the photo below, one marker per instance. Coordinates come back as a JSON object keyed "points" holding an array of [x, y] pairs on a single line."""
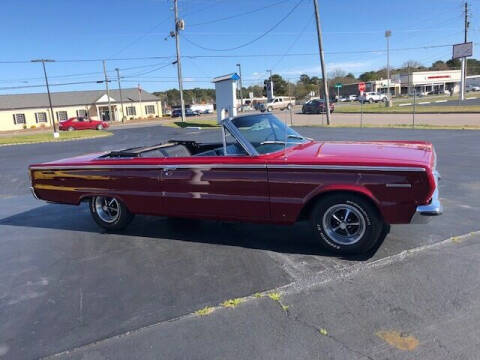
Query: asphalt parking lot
{"points": [[68, 288]]}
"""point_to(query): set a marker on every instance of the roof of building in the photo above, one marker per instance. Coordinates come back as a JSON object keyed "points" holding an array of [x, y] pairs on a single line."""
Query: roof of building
{"points": [[232, 76], [71, 98]]}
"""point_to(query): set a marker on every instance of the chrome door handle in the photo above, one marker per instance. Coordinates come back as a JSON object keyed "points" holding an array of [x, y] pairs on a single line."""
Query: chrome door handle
{"points": [[169, 170]]}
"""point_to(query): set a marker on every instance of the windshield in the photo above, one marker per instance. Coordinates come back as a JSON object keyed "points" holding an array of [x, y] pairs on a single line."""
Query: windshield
{"points": [[267, 133]]}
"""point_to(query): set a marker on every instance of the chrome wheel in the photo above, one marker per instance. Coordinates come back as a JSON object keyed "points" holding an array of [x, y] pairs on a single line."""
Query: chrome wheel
{"points": [[107, 208], [344, 224]]}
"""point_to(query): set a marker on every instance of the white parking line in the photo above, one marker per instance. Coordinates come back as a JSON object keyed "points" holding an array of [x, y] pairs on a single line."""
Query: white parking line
{"points": [[471, 98], [424, 102], [406, 104], [441, 101]]}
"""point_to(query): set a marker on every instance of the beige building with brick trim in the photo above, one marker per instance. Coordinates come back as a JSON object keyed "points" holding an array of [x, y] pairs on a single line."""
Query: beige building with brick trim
{"points": [[22, 111]]}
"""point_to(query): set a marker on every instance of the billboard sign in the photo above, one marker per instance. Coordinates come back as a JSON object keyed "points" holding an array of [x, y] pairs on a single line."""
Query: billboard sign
{"points": [[462, 50]]}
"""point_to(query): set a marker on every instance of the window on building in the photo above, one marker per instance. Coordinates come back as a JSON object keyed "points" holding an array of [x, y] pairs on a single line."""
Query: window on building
{"points": [[19, 119], [149, 109], [62, 116], [131, 111], [82, 113], [41, 117]]}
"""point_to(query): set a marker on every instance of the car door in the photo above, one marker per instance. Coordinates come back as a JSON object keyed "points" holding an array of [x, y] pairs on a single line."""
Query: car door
{"points": [[231, 187], [234, 188]]}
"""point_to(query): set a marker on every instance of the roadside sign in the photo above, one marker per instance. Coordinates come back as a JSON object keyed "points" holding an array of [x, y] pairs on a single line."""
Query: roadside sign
{"points": [[338, 85], [362, 87], [462, 50]]}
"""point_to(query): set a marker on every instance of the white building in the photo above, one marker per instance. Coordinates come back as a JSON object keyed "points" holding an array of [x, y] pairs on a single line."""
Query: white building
{"points": [[428, 81]]}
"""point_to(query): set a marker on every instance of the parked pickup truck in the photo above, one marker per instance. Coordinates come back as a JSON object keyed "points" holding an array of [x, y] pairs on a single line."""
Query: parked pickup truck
{"points": [[282, 103], [372, 97]]}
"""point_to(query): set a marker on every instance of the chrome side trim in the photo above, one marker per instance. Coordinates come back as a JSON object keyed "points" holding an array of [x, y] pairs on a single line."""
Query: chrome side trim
{"points": [[349, 167], [179, 166], [398, 185], [232, 166], [33, 193], [424, 213]]}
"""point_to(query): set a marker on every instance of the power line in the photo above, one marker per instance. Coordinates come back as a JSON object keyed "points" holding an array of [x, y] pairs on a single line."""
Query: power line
{"points": [[149, 71], [251, 41], [294, 42], [42, 85], [380, 51], [238, 15]]}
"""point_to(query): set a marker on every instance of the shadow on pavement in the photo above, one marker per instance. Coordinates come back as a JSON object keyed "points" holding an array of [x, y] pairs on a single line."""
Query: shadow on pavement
{"points": [[296, 239]]}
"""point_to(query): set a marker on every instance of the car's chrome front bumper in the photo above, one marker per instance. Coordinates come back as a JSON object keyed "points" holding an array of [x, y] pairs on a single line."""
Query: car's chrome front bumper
{"points": [[425, 213]]}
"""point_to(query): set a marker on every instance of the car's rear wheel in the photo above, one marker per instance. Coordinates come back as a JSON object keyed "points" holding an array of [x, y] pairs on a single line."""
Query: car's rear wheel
{"points": [[346, 223], [110, 213], [289, 106], [70, 128], [370, 101], [269, 109], [99, 127]]}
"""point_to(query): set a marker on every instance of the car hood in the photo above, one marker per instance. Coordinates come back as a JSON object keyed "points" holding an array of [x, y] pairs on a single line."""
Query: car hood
{"points": [[368, 153]]}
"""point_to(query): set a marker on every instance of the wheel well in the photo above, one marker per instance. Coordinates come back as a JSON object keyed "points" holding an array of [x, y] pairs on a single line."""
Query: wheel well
{"points": [[306, 210]]}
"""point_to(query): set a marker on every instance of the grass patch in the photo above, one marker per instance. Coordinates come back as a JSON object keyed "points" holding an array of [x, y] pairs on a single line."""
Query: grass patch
{"points": [[201, 123], [232, 303], [401, 126], [48, 137], [205, 311], [419, 109], [275, 296], [323, 331]]}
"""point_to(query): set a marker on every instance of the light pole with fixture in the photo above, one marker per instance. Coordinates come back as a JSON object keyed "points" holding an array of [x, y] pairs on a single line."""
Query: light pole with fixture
{"points": [[388, 33], [43, 61], [241, 86]]}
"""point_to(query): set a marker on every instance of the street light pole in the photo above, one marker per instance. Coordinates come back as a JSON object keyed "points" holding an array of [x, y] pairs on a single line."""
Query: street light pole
{"points": [[388, 33], [179, 26], [120, 90], [241, 86], [43, 61], [322, 62]]}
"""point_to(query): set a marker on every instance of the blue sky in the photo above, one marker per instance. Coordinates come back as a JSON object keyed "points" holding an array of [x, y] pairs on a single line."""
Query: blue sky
{"points": [[69, 30]]}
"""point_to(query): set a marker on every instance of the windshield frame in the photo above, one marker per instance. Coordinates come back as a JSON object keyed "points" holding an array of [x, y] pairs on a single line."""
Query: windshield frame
{"points": [[243, 141]]}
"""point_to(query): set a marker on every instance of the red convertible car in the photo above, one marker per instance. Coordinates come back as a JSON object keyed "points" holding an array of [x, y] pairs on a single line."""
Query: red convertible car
{"points": [[260, 171], [79, 123]]}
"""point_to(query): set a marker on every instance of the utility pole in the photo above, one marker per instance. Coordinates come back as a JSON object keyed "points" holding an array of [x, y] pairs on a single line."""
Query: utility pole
{"points": [[322, 62], [241, 86], [120, 90], [464, 59], [110, 113], [179, 26], [43, 61], [388, 33]]}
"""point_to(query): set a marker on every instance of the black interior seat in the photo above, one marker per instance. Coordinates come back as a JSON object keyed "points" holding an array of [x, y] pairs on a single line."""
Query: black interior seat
{"points": [[175, 151]]}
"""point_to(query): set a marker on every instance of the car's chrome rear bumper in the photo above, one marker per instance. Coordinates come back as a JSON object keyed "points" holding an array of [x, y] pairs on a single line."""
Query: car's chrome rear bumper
{"points": [[33, 193], [424, 213]]}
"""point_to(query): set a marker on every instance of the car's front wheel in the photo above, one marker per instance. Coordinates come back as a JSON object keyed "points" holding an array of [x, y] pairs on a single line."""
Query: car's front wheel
{"points": [[71, 128], [99, 127], [110, 213], [346, 223]]}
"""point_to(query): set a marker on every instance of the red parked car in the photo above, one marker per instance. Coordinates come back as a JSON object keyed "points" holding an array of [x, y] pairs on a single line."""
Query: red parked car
{"points": [[79, 123], [260, 171]]}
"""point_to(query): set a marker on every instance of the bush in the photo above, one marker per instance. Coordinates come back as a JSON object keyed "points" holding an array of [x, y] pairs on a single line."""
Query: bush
{"points": [[42, 126], [33, 127], [24, 126]]}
